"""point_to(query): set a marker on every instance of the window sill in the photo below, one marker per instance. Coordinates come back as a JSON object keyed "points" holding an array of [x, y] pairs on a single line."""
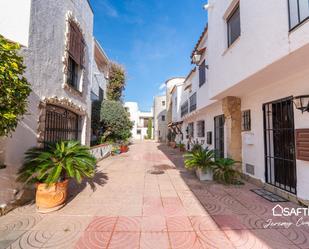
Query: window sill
{"points": [[231, 46], [72, 90]]}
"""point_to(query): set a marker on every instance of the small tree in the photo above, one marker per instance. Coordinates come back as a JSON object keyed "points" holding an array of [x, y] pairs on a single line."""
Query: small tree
{"points": [[116, 83], [149, 129], [115, 121], [14, 88]]}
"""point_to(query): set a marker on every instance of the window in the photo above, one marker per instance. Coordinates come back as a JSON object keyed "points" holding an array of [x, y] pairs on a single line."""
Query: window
{"points": [[175, 102], [163, 103], [298, 12], [76, 55], [191, 129], [209, 137], [101, 94], [193, 102], [163, 118], [246, 120], [184, 108], [60, 124], [138, 132], [201, 128], [233, 25], [202, 73], [72, 79]]}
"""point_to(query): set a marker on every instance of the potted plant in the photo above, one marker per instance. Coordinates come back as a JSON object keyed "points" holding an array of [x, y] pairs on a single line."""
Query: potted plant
{"points": [[124, 147], [201, 160], [116, 150], [181, 147], [225, 172], [52, 168]]}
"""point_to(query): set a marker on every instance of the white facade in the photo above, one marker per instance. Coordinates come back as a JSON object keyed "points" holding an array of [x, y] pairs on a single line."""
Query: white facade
{"points": [[159, 118], [140, 120], [266, 65], [46, 60]]}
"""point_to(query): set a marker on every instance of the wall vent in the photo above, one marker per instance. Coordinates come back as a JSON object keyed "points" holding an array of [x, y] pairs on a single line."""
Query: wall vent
{"points": [[250, 168]]}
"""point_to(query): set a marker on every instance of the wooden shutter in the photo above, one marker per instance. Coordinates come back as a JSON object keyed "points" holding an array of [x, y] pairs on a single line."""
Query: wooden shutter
{"points": [[302, 144], [76, 44]]}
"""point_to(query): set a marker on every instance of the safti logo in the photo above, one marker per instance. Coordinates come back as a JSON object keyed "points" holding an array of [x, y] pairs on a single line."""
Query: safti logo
{"points": [[277, 210]]}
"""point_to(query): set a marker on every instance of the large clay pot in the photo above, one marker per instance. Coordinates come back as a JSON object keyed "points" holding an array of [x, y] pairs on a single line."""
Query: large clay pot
{"points": [[52, 197]]}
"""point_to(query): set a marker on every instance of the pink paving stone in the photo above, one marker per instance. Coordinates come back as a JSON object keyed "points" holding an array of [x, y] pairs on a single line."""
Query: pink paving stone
{"points": [[93, 240], [128, 224], [102, 224], [214, 240], [125, 240], [153, 224], [228, 222], [154, 240], [203, 223], [179, 224], [184, 240]]}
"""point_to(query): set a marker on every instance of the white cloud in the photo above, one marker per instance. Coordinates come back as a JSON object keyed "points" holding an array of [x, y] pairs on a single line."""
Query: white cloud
{"points": [[162, 86]]}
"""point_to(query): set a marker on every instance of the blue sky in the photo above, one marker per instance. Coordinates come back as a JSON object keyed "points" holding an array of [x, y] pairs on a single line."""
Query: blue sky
{"points": [[153, 39]]}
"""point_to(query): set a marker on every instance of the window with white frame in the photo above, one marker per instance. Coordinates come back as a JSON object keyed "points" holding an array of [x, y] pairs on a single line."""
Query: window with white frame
{"points": [[233, 25], [202, 73]]}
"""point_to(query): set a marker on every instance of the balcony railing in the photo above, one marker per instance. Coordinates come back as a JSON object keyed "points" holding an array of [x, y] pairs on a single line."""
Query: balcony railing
{"points": [[184, 108], [193, 102]]}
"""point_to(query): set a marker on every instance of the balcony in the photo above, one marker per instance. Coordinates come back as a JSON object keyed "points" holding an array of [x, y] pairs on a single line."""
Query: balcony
{"points": [[193, 102], [184, 108]]}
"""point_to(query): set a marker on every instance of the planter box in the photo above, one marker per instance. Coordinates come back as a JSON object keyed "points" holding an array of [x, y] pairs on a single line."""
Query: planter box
{"points": [[204, 176], [101, 151]]}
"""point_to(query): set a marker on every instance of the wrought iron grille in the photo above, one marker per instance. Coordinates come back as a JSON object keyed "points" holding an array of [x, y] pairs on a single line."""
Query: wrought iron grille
{"points": [[219, 136], [60, 125], [279, 140]]}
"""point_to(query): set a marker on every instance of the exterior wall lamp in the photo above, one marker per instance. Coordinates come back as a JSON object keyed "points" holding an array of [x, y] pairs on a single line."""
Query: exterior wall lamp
{"points": [[302, 103], [196, 58]]}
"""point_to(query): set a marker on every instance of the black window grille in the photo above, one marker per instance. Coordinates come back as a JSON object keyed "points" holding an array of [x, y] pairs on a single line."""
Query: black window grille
{"points": [[184, 108], [209, 137], [246, 120], [233, 25], [298, 12], [219, 136], [60, 125], [72, 79], [101, 94], [201, 128], [193, 102], [202, 73], [163, 118], [191, 129]]}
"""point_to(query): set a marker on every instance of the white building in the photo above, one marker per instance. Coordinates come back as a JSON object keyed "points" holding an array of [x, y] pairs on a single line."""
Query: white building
{"points": [[58, 53], [140, 120], [159, 118], [242, 95]]}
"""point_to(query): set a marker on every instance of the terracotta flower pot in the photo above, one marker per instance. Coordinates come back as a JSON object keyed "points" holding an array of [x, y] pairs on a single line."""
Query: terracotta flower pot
{"points": [[52, 197], [124, 148]]}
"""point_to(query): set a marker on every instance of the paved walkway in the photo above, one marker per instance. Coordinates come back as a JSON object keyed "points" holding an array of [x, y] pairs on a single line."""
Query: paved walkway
{"points": [[133, 208]]}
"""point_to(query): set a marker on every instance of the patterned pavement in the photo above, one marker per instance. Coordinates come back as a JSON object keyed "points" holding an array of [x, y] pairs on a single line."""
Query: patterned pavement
{"points": [[129, 207]]}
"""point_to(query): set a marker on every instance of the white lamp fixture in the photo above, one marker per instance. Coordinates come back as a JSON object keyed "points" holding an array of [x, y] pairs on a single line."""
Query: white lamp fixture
{"points": [[196, 58], [208, 6]]}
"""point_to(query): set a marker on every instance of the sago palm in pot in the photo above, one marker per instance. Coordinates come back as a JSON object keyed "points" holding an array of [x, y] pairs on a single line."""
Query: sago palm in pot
{"points": [[51, 169]]}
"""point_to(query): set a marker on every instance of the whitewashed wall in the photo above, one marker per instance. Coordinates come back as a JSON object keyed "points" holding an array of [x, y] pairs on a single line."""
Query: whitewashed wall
{"points": [[265, 38]]}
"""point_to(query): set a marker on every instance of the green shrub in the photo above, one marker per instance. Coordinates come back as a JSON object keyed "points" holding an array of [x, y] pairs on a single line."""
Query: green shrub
{"points": [[224, 171]]}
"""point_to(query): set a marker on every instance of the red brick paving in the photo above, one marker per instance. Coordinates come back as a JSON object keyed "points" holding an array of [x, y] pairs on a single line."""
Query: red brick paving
{"points": [[132, 208]]}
